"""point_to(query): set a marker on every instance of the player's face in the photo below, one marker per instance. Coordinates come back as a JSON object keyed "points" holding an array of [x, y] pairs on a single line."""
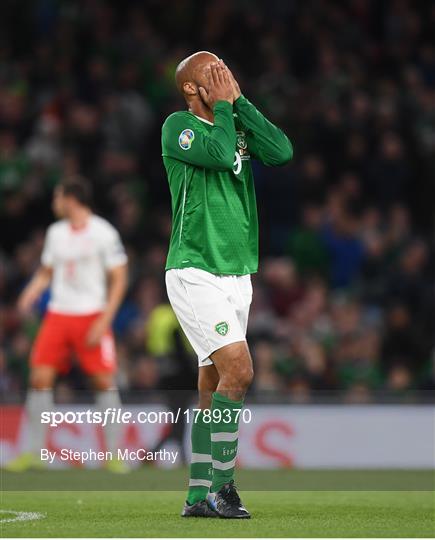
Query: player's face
{"points": [[202, 73], [58, 204]]}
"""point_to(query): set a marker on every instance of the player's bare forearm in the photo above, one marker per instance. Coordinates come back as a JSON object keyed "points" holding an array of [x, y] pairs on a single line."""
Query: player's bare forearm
{"points": [[41, 280], [37, 285], [117, 287], [116, 291]]}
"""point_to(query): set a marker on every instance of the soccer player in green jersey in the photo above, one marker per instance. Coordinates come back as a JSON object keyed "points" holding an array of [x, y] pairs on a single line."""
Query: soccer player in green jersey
{"points": [[207, 152]]}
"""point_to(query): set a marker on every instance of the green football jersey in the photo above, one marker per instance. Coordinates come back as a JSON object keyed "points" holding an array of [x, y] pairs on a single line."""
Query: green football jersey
{"points": [[214, 211]]}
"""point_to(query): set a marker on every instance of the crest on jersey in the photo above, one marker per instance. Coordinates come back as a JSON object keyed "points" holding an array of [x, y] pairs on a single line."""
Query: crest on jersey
{"points": [[222, 328], [241, 140], [242, 145], [186, 139]]}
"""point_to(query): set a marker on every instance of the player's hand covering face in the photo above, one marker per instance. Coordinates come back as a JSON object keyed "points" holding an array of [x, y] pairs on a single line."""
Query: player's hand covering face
{"points": [[235, 85], [218, 86]]}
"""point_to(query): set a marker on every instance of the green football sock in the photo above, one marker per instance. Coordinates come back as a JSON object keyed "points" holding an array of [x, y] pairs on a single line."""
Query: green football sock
{"points": [[224, 438], [200, 465]]}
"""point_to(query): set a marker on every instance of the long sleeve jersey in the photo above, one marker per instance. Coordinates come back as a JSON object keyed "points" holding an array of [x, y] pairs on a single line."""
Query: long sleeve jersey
{"points": [[214, 211]]}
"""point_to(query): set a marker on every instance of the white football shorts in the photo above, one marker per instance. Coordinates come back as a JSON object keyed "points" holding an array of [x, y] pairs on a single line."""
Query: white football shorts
{"points": [[212, 309]]}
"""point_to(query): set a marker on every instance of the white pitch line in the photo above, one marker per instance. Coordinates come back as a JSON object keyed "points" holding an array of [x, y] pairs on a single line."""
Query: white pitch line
{"points": [[21, 516]]}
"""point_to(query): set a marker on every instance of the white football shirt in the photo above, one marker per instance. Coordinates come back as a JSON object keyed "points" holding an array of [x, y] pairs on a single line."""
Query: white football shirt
{"points": [[80, 260]]}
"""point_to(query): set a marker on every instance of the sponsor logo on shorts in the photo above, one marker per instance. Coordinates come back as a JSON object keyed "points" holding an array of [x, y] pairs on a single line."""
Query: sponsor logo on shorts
{"points": [[222, 328], [186, 139]]}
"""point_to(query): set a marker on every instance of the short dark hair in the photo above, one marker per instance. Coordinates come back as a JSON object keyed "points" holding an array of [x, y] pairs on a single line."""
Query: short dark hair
{"points": [[79, 188]]}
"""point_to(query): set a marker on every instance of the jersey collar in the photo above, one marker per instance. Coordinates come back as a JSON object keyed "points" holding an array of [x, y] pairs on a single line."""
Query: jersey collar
{"points": [[204, 120], [208, 121]]}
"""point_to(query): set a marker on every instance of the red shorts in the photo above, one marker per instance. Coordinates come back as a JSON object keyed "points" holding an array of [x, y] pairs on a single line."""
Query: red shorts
{"points": [[61, 336]]}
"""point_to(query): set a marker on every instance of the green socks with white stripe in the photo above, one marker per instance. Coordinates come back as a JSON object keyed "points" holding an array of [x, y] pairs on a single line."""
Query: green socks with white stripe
{"points": [[200, 465], [214, 441], [224, 438]]}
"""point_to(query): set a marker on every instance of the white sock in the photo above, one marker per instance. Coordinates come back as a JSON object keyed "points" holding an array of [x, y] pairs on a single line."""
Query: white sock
{"points": [[38, 401], [108, 399]]}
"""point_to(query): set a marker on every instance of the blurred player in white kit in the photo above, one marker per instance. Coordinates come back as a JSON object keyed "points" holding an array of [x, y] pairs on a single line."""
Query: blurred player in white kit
{"points": [[85, 262]]}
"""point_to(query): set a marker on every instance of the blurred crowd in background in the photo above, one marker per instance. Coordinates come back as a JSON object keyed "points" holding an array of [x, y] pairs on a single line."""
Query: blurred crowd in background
{"points": [[344, 299]]}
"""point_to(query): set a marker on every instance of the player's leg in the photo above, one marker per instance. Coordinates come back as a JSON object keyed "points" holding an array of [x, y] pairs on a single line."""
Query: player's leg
{"points": [[107, 397], [99, 364], [48, 358], [39, 398], [201, 466], [184, 303], [207, 308], [234, 365]]}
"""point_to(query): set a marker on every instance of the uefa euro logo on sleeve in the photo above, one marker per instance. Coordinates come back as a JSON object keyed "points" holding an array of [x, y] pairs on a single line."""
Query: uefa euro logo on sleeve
{"points": [[186, 139]]}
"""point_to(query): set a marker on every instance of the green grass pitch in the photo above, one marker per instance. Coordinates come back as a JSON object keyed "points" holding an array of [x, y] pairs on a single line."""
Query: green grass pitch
{"points": [[297, 513]]}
